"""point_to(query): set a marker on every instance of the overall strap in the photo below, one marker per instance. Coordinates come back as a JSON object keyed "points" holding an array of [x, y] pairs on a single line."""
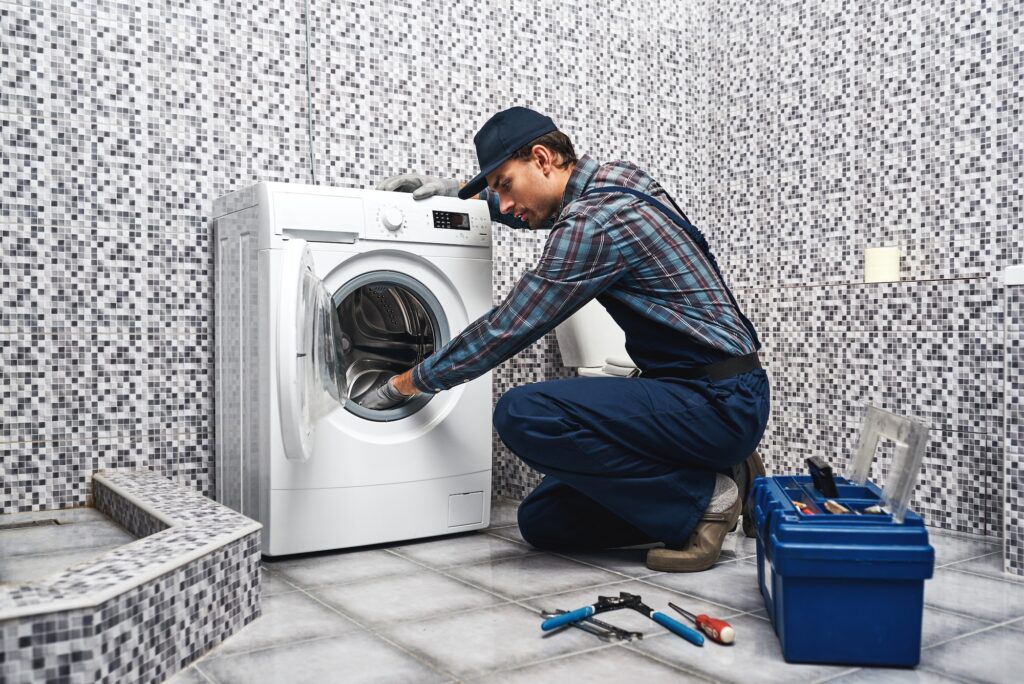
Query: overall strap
{"points": [[679, 218]]}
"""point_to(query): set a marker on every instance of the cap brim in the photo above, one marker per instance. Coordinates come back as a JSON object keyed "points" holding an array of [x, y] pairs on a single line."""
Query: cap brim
{"points": [[479, 181]]}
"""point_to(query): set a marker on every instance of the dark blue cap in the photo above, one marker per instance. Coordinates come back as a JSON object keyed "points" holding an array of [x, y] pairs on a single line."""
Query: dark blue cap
{"points": [[500, 138]]}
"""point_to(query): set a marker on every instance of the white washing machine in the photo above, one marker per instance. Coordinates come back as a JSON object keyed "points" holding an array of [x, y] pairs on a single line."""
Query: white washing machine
{"points": [[322, 294]]}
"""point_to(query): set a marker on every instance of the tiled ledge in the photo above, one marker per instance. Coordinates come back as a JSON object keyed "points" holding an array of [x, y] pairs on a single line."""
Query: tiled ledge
{"points": [[146, 609], [177, 526]]}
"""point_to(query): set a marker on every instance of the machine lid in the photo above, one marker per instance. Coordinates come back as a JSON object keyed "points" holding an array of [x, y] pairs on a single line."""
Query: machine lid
{"points": [[311, 364]]}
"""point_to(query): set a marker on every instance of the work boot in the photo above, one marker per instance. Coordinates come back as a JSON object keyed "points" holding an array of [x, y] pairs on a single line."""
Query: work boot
{"points": [[705, 544], [744, 474]]}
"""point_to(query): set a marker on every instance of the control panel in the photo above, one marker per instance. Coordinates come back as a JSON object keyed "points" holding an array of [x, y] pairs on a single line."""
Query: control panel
{"points": [[346, 215], [435, 220]]}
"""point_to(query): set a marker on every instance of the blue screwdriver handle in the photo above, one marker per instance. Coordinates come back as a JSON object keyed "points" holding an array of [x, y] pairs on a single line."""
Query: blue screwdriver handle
{"points": [[691, 635], [566, 618]]}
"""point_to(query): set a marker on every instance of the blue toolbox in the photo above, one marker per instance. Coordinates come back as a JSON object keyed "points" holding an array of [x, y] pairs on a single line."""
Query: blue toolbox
{"points": [[842, 574]]}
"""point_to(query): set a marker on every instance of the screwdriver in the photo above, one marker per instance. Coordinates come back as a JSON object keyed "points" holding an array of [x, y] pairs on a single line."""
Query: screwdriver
{"points": [[719, 630]]}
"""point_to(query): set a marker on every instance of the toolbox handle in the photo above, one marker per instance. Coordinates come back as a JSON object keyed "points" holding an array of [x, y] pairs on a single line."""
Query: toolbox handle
{"points": [[566, 618]]}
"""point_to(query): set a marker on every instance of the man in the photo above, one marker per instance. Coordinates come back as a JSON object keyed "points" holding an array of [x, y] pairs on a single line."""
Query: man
{"points": [[627, 461]]}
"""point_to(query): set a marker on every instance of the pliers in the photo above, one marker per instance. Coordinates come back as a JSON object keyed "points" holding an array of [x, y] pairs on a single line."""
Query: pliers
{"points": [[625, 600]]}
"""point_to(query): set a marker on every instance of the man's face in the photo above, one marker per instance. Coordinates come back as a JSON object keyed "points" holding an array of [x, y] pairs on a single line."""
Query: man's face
{"points": [[528, 188]]}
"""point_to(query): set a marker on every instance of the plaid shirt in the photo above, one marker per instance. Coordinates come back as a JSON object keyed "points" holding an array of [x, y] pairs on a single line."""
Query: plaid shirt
{"points": [[613, 244]]}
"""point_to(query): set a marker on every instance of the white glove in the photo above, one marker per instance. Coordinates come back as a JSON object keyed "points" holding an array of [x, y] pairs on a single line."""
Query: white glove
{"points": [[384, 397], [420, 186]]}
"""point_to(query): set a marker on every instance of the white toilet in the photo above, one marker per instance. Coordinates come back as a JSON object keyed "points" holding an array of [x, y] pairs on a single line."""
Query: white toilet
{"points": [[593, 343]]}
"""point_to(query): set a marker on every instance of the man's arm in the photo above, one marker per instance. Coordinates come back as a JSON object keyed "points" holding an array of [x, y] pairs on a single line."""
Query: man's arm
{"points": [[578, 263]]}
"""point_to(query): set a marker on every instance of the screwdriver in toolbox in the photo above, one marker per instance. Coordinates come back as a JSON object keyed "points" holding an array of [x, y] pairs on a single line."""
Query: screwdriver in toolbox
{"points": [[719, 630]]}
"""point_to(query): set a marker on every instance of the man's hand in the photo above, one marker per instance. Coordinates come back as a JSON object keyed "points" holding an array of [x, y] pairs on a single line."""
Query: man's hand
{"points": [[395, 392], [420, 186]]}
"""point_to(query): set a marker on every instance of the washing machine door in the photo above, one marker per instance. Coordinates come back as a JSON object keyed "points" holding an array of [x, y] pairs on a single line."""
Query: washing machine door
{"points": [[311, 365]]}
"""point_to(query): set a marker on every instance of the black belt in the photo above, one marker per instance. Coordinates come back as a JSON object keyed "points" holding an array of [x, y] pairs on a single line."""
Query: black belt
{"points": [[713, 371]]}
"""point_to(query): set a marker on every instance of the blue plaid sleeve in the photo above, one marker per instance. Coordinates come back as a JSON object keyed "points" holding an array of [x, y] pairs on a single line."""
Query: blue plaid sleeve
{"points": [[578, 263]]}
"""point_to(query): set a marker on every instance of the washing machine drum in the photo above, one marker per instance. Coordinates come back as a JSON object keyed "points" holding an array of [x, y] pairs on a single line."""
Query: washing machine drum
{"points": [[391, 322]]}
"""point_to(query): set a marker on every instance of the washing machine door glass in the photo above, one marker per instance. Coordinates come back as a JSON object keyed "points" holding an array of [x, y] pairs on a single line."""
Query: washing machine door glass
{"points": [[391, 322], [312, 370]]}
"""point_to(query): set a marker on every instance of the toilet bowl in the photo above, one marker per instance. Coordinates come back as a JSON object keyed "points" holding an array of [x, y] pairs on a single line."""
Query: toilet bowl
{"points": [[591, 342]]}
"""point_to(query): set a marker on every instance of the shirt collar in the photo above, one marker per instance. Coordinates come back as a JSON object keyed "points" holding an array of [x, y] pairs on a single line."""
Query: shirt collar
{"points": [[579, 179]]}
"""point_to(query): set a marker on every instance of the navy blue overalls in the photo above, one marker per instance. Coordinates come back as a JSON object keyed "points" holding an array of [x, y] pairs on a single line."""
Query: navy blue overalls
{"points": [[631, 460]]}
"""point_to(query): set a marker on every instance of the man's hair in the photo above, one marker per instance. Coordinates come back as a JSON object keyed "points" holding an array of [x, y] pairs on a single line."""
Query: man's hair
{"points": [[557, 142]]}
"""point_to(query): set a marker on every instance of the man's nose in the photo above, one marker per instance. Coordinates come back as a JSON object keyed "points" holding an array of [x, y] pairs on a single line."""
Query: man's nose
{"points": [[504, 204]]}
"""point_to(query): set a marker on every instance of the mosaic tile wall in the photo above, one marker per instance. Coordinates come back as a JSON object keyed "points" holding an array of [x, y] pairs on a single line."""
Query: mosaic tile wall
{"points": [[1013, 537], [795, 136], [122, 121], [889, 125]]}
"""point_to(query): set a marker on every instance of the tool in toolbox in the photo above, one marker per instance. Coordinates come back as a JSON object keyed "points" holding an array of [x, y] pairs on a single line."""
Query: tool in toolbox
{"points": [[602, 630], [821, 475], [624, 600], [719, 630]]}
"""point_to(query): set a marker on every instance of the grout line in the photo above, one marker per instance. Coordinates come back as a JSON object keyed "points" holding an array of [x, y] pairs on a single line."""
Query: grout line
{"points": [[831, 677], [965, 560], [523, 666], [375, 633], [946, 674], [980, 630], [1007, 580], [675, 666], [203, 675]]}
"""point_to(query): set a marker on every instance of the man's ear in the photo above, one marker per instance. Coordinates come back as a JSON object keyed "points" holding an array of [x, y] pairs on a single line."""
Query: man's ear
{"points": [[543, 157]]}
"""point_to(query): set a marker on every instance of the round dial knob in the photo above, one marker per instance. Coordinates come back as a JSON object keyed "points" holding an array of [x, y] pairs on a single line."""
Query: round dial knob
{"points": [[392, 218]]}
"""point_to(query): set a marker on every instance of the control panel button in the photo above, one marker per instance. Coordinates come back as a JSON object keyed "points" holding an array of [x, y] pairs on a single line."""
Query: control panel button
{"points": [[392, 218]]}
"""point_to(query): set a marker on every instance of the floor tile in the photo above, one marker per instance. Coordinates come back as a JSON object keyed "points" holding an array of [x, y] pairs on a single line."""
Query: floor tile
{"points": [[273, 584], [533, 575], [412, 596], [351, 658], [727, 584], [342, 566], [286, 618], [189, 675], [756, 650], [463, 550], [628, 562], [877, 675], [504, 512], [474, 643], [976, 596], [991, 656], [64, 515], [510, 532], [989, 566], [605, 666], [655, 597], [60, 538], [951, 547], [26, 568], [938, 626]]}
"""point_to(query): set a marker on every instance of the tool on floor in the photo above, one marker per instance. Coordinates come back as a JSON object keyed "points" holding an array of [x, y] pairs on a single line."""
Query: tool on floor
{"points": [[624, 600], [719, 630], [821, 475], [602, 630]]}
